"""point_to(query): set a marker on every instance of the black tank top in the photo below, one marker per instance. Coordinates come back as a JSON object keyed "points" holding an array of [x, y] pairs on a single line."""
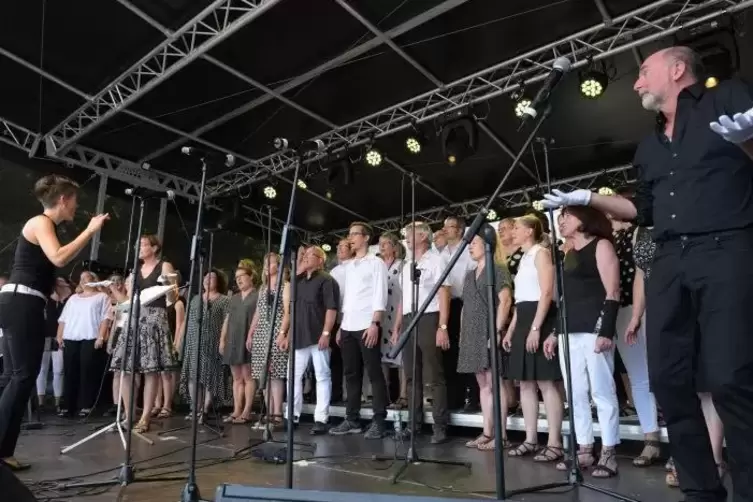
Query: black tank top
{"points": [[152, 280], [584, 291], [32, 268]]}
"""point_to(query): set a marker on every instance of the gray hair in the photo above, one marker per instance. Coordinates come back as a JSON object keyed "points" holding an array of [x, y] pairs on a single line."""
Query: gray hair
{"points": [[689, 57], [421, 228]]}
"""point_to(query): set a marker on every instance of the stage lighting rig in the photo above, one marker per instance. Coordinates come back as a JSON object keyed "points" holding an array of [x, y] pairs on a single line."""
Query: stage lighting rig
{"points": [[711, 82], [605, 191], [302, 184], [416, 140], [270, 192], [492, 215], [521, 105], [593, 83], [459, 140], [329, 193], [326, 247], [373, 157]]}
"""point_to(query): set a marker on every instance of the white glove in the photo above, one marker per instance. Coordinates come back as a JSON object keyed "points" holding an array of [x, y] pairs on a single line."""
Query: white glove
{"points": [[558, 198], [737, 129]]}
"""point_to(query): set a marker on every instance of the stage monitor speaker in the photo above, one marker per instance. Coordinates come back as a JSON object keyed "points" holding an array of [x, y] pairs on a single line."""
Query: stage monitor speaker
{"points": [[12, 487], [239, 493]]}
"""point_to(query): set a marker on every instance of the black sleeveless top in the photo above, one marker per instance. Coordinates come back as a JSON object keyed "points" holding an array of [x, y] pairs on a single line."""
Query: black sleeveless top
{"points": [[32, 268], [584, 289], [152, 280]]}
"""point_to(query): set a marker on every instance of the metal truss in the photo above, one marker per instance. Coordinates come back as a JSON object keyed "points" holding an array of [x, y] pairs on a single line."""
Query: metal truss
{"points": [[129, 172], [640, 26], [215, 23], [521, 197]]}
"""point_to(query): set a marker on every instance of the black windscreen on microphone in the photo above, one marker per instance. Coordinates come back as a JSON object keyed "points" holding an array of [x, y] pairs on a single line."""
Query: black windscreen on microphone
{"points": [[559, 68]]}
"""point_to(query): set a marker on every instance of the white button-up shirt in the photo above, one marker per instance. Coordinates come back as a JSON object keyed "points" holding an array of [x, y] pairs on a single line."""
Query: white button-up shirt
{"points": [[431, 266], [364, 291], [460, 270]]}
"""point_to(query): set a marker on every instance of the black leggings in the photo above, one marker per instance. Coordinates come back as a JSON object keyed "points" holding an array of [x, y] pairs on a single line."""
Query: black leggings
{"points": [[22, 318], [82, 374]]}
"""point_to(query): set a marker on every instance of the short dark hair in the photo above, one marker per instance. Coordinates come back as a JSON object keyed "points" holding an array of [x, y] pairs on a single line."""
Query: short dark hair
{"points": [[367, 230], [593, 222], [458, 219], [222, 282], [153, 241], [49, 189]]}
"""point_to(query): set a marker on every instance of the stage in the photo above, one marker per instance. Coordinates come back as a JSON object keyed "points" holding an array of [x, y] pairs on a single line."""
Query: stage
{"points": [[332, 466]]}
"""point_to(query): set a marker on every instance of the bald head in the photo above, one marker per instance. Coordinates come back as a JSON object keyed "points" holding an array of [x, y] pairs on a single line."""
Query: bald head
{"points": [[664, 74]]}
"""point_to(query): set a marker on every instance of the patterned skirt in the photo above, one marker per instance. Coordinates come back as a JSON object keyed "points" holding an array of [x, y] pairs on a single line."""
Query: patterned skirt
{"points": [[155, 352]]}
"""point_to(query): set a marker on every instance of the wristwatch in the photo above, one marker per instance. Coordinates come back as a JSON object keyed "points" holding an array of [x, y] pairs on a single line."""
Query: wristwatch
{"points": [[325, 333], [443, 327]]}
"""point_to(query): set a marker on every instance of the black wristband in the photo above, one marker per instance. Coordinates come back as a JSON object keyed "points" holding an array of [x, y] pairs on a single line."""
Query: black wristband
{"points": [[607, 324]]}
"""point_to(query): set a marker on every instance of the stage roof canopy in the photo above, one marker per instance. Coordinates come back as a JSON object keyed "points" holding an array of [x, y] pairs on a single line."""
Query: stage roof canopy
{"points": [[118, 85]]}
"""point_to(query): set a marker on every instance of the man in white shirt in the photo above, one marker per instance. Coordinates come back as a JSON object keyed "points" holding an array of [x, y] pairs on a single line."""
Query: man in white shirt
{"points": [[344, 254], [431, 330], [462, 390], [364, 301]]}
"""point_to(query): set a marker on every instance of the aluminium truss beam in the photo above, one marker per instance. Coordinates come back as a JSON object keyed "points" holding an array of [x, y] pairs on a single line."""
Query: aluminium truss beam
{"points": [[17, 136], [646, 24], [214, 24], [521, 197], [343, 58]]}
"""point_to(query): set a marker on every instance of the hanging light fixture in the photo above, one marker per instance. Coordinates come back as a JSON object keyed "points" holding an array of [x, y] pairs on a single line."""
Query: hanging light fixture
{"points": [[270, 192], [373, 157], [459, 139], [593, 84]]}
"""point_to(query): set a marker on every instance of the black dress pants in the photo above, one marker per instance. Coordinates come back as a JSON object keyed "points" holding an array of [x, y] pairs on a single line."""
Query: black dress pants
{"points": [[699, 318], [81, 377], [429, 369], [356, 356], [336, 368], [22, 318]]}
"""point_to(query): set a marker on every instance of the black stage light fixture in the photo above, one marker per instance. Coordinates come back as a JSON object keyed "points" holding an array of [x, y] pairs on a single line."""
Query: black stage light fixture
{"points": [[521, 104], [416, 140], [373, 157], [270, 192], [459, 140], [593, 83]]}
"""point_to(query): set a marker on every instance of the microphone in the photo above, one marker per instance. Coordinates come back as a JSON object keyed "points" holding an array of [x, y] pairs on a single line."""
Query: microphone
{"points": [[560, 67], [146, 193], [309, 145], [192, 150]]}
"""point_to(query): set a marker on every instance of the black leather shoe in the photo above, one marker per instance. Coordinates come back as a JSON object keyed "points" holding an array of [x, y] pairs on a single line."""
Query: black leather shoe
{"points": [[319, 428]]}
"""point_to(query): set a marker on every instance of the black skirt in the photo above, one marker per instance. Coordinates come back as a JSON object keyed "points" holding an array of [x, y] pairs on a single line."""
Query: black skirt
{"points": [[521, 365]]}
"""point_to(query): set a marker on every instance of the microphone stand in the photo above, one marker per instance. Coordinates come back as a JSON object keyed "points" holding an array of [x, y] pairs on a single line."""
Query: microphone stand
{"points": [[287, 253], [126, 475], [574, 474], [412, 457], [116, 424]]}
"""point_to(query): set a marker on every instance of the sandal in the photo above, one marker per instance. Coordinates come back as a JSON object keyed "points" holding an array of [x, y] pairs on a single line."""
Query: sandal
{"points": [[644, 460], [602, 470], [141, 427], [585, 459], [241, 420], [549, 454], [229, 419], [491, 445], [165, 413], [523, 449], [482, 439]]}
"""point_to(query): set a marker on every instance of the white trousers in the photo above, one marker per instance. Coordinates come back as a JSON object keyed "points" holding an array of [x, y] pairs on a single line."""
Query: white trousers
{"points": [[594, 370], [323, 376], [636, 364], [56, 357]]}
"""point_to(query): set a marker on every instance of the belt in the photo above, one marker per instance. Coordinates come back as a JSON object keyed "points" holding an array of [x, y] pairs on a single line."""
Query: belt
{"points": [[24, 290]]}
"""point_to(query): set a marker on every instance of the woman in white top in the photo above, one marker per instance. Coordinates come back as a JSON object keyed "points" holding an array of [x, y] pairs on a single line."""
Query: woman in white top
{"points": [[391, 252], [531, 341], [82, 329]]}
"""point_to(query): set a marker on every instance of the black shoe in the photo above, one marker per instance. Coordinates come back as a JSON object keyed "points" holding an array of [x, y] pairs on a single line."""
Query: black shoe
{"points": [[319, 428], [346, 427], [439, 436], [376, 431]]}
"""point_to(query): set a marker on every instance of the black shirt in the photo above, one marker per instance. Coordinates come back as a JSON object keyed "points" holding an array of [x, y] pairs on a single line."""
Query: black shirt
{"points": [[32, 268], [623, 246], [698, 182], [584, 289], [314, 296]]}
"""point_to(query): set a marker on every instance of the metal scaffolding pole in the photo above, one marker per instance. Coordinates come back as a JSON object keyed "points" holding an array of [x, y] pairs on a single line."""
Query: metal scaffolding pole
{"points": [[100, 208], [615, 176], [418, 180], [161, 220], [343, 58], [211, 26], [649, 23]]}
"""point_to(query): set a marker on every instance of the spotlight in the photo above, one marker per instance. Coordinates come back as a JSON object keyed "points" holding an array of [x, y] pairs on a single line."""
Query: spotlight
{"points": [[593, 84], [413, 145], [329, 193], [538, 205], [403, 232], [459, 139], [491, 215], [711, 82], [270, 192], [605, 191], [302, 185], [327, 248], [373, 157], [521, 105]]}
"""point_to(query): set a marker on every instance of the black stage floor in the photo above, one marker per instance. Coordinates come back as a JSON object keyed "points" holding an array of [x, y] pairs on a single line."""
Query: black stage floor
{"points": [[331, 467]]}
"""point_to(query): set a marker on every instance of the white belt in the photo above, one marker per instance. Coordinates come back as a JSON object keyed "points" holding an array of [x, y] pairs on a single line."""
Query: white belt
{"points": [[24, 290]]}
